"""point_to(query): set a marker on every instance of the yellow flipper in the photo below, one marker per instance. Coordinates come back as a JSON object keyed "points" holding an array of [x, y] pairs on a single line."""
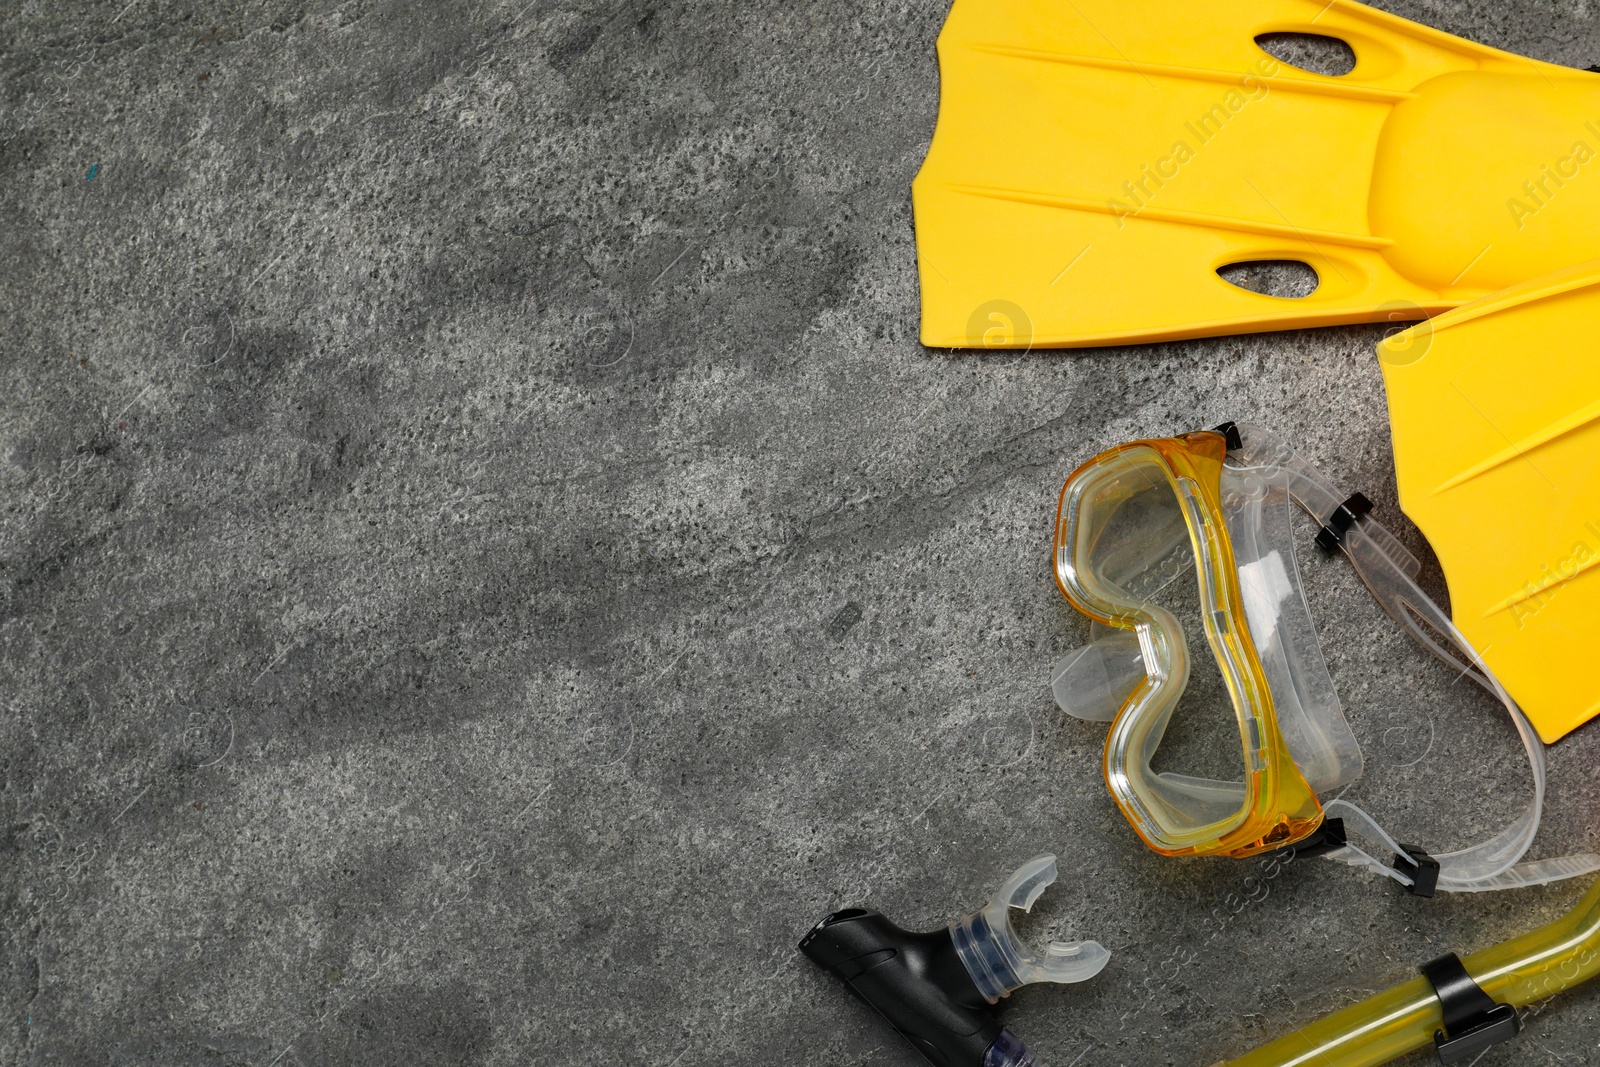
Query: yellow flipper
{"points": [[1097, 161], [1495, 413]]}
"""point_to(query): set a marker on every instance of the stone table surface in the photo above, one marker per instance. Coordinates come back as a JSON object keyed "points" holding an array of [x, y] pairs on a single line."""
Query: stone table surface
{"points": [[485, 562]]}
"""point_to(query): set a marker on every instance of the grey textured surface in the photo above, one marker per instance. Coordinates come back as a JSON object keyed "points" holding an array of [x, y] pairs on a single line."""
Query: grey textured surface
{"points": [[486, 563]]}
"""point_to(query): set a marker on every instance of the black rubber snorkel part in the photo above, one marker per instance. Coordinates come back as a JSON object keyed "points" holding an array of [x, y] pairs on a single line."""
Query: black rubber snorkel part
{"points": [[919, 983]]}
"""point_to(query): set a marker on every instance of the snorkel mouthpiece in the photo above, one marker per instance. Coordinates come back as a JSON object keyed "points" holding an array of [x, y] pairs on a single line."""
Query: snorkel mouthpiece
{"points": [[996, 958], [936, 988]]}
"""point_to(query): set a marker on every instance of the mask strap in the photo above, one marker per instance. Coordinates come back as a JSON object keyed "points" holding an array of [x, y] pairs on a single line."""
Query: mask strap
{"points": [[1389, 573]]}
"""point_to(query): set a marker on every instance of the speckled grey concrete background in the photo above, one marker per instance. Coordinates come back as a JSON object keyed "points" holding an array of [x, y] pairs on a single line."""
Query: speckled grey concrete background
{"points": [[486, 563]]}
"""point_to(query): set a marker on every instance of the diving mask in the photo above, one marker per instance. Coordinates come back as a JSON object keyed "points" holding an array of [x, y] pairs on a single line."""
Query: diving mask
{"points": [[1137, 518]]}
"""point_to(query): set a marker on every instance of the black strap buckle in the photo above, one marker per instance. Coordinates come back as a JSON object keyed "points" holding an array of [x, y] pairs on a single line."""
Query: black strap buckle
{"points": [[1230, 433], [1329, 837], [1473, 1021], [1423, 869], [1344, 516]]}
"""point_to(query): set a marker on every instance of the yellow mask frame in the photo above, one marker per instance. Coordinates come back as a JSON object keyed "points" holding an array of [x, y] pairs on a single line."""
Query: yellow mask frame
{"points": [[1278, 806]]}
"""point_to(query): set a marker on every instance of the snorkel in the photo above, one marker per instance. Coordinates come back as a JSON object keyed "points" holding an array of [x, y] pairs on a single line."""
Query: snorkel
{"points": [[1413, 1014], [936, 988]]}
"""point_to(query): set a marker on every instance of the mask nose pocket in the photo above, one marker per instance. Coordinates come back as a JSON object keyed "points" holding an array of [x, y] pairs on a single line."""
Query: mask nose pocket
{"points": [[1094, 681]]}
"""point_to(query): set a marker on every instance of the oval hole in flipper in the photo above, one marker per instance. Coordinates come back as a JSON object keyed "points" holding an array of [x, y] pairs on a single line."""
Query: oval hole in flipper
{"points": [[1313, 52], [1288, 279]]}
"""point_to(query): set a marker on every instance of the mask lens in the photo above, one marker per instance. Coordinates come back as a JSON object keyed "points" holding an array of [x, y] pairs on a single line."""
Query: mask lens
{"points": [[1133, 524]]}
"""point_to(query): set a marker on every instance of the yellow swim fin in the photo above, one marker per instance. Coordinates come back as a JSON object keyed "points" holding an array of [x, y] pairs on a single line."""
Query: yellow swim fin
{"points": [[1097, 161], [1495, 413]]}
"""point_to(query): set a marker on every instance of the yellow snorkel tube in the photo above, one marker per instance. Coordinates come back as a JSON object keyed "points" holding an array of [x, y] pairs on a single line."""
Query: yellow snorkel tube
{"points": [[1519, 972]]}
